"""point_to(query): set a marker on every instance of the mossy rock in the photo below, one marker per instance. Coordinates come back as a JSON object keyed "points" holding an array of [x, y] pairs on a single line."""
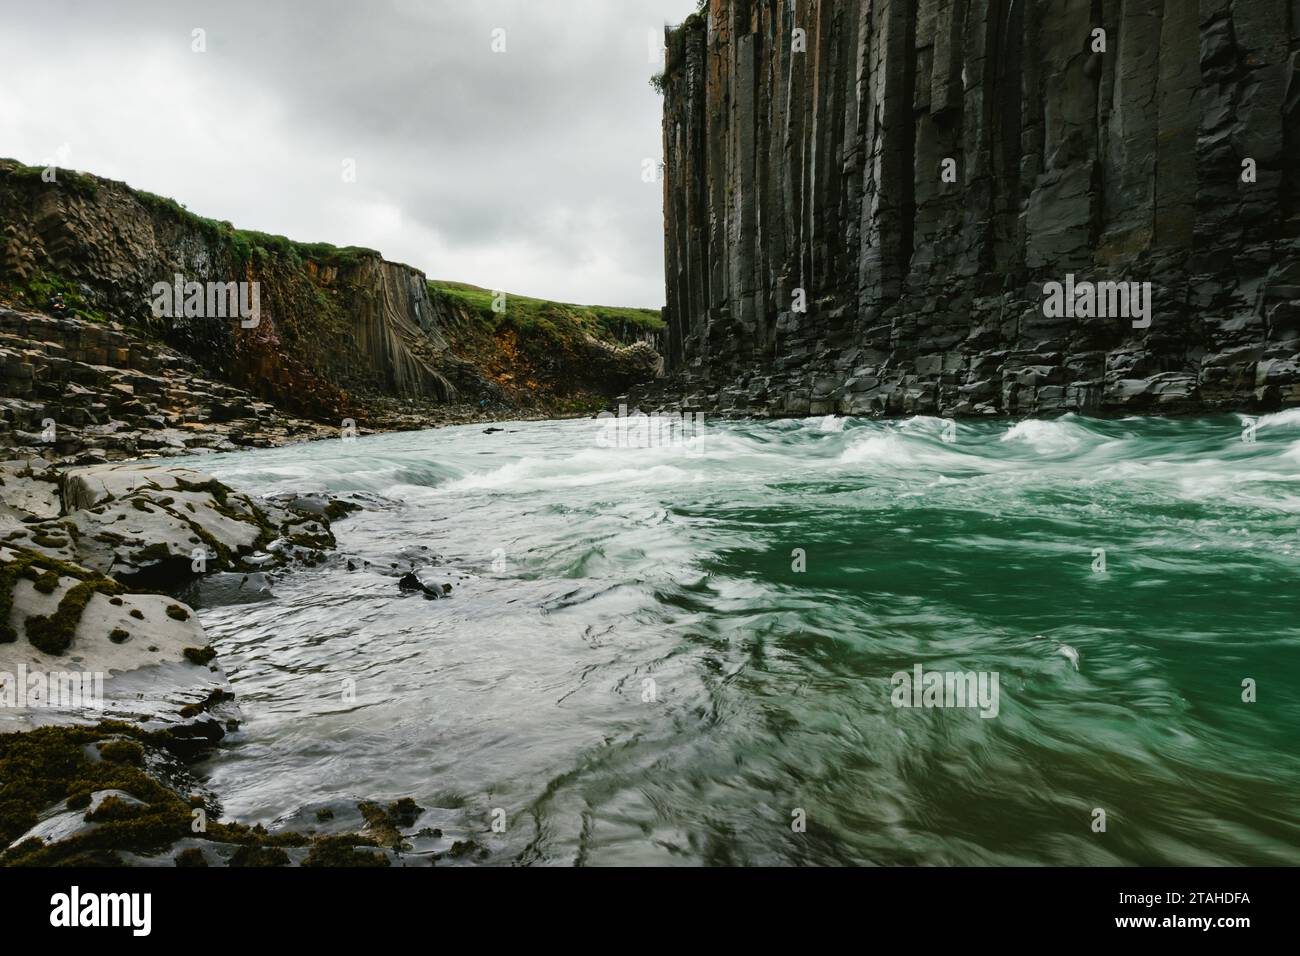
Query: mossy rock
{"points": [[48, 766], [201, 656], [51, 634], [191, 857], [252, 855], [216, 697], [114, 809], [122, 751], [341, 851]]}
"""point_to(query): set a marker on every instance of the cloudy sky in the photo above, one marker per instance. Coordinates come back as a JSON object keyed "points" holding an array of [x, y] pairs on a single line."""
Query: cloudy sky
{"points": [[518, 170]]}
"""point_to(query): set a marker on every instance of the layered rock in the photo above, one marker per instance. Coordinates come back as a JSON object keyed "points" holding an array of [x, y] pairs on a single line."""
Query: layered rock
{"points": [[806, 143], [335, 326], [75, 387]]}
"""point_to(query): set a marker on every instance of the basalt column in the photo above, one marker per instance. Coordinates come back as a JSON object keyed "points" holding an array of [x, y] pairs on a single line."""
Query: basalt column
{"points": [[864, 200]]}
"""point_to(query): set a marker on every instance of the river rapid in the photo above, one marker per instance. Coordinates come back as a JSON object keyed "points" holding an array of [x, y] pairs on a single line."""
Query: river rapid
{"points": [[688, 654]]}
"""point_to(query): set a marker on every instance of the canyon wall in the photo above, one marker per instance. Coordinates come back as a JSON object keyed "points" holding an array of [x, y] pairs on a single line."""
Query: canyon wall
{"points": [[338, 328], [819, 260]]}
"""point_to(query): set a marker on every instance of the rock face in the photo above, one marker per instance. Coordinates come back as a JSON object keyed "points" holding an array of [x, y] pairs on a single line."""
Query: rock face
{"points": [[70, 386], [339, 334], [819, 260], [335, 326]]}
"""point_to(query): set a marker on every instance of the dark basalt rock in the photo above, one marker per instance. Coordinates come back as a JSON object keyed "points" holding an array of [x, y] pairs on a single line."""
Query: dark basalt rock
{"points": [[819, 169], [411, 581]]}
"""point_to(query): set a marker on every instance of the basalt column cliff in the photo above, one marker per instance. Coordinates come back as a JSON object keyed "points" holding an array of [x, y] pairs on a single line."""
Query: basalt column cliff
{"points": [[865, 199]]}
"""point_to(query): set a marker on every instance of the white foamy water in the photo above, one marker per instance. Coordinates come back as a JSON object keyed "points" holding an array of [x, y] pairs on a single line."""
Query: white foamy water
{"points": [[652, 655]]}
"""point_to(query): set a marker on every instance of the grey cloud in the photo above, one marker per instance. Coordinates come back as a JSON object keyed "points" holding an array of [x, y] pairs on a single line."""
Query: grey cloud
{"points": [[538, 149]]}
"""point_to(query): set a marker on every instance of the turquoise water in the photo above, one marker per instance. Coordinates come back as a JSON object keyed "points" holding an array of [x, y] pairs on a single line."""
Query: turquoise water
{"points": [[581, 571]]}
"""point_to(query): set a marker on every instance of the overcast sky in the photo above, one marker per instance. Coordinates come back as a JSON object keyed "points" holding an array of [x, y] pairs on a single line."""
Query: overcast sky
{"points": [[519, 170]]}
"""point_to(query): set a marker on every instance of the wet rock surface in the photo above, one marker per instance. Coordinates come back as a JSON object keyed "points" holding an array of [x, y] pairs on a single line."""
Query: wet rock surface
{"points": [[89, 559], [114, 794], [103, 660]]}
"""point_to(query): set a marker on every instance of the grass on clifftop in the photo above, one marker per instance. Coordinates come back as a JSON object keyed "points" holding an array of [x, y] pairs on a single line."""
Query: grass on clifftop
{"points": [[564, 319], [243, 244]]}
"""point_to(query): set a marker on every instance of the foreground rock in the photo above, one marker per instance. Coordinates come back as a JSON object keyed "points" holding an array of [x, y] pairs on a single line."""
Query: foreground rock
{"points": [[108, 687], [115, 794], [155, 525], [79, 553]]}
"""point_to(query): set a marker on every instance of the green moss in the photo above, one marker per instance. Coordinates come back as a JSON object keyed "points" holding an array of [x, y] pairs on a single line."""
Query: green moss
{"points": [[214, 698], [119, 635], [177, 613], [340, 509], [252, 855], [381, 824], [153, 552], [44, 767], [341, 851], [404, 812], [47, 582], [257, 835], [312, 542], [191, 857], [48, 540], [122, 751], [464, 848], [55, 631], [53, 634], [212, 487], [115, 810], [202, 656]]}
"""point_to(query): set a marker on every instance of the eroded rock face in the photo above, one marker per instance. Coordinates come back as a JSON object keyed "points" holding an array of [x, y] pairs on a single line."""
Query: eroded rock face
{"points": [[70, 386], [806, 146], [334, 325]]}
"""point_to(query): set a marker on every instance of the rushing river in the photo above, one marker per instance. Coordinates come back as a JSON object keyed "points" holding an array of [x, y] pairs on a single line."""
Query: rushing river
{"points": [[684, 655]]}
